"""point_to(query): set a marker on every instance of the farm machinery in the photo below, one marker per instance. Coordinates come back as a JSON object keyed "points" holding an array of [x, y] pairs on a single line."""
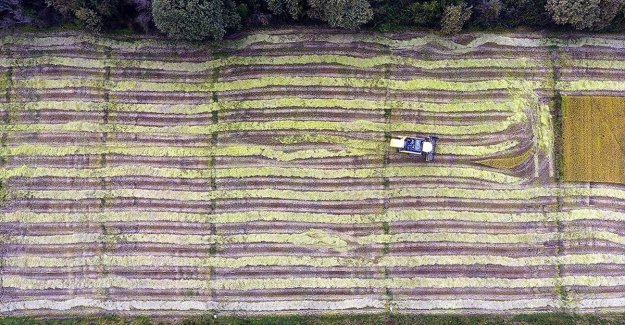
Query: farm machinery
{"points": [[425, 147]]}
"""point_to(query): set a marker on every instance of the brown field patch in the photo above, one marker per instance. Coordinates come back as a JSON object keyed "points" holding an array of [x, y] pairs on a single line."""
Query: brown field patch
{"points": [[593, 136]]}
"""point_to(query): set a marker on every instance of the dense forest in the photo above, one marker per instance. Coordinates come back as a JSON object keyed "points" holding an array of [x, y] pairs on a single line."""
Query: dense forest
{"points": [[213, 19]]}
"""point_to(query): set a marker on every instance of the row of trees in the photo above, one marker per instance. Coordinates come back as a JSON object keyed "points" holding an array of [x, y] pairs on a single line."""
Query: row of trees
{"points": [[212, 19]]}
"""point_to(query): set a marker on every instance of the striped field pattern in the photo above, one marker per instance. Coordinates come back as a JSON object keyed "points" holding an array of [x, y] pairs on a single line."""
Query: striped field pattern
{"points": [[141, 177]]}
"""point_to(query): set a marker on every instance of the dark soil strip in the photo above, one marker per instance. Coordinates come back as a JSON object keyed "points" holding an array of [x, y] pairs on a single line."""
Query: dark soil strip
{"points": [[438, 96], [92, 161], [473, 293], [300, 114], [294, 183], [58, 72], [433, 226]]}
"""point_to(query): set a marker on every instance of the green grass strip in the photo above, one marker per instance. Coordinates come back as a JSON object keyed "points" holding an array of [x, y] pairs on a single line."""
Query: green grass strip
{"points": [[124, 43], [482, 194], [136, 170], [252, 216], [264, 171], [109, 281], [25, 283], [360, 125], [597, 63], [288, 102], [311, 238], [591, 85], [412, 84], [516, 194], [344, 60], [353, 148], [229, 151], [291, 260], [448, 149]]}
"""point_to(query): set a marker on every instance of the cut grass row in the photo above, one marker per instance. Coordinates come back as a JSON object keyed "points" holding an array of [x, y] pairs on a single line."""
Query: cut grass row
{"points": [[316, 262], [352, 147], [278, 216], [381, 83], [370, 303], [286, 102], [241, 172], [25, 283], [359, 125], [315, 238], [320, 239], [208, 65], [209, 86], [221, 151], [528, 193]]}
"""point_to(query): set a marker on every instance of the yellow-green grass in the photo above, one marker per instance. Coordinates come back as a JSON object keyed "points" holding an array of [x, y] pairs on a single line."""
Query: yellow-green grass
{"points": [[291, 260], [240, 172], [284, 102], [314, 238], [359, 125], [336, 195], [283, 283], [593, 139], [344, 60], [321, 238], [412, 84], [309, 217], [352, 147], [508, 162], [591, 85]]}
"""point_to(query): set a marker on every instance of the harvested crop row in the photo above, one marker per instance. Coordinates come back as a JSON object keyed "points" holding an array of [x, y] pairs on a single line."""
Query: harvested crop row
{"points": [[100, 63], [76, 105]]}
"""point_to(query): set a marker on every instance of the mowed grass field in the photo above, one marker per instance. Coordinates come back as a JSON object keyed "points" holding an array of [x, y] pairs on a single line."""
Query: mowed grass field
{"points": [[594, 139], [144, 177]]}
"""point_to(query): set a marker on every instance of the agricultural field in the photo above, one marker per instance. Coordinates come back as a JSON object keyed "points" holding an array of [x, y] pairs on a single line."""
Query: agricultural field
{"points": [[594, 139], [144, 177]]}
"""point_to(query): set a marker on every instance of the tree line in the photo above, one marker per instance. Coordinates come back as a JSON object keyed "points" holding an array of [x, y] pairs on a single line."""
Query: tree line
{"points": [[213, 19]]}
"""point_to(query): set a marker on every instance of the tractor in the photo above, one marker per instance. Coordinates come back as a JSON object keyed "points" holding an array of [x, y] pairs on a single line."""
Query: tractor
{"points": [[425, 147]]}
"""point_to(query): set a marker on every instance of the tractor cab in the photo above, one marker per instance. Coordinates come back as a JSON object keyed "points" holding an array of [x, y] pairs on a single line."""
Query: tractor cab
{"points": [[425, 147]]}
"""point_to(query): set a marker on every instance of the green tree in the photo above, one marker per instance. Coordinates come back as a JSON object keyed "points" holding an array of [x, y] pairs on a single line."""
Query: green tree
{"points": [[293, 7], [584, 14], [349, 14], [427, 13], [487, 12], [91, 13], [195, 19], [454, 18], [532, 13]]}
